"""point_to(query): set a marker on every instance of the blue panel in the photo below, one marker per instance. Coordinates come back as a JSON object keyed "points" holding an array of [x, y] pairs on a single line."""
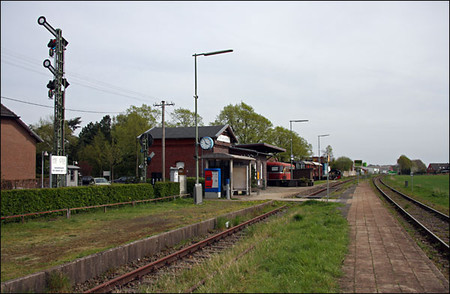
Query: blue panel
{"points": [[213, 180]]}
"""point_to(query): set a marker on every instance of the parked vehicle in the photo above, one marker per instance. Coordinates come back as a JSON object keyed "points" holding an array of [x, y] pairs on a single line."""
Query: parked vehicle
{"points": [[86, 180], [335, 174], [125, 180], [101, 182]]}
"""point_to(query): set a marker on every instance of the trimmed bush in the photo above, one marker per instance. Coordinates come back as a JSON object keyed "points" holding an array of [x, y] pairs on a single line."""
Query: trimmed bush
{"points": [[35, 200], [191, 184], [163, 189]]}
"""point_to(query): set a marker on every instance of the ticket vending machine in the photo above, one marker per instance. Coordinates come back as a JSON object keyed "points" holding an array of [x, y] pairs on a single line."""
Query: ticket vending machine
{"points": [[212, 183]]}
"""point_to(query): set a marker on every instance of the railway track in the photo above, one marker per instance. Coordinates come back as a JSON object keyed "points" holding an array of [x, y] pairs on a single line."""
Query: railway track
{"points": [[433, 224], [321, 193], [148, 273]]}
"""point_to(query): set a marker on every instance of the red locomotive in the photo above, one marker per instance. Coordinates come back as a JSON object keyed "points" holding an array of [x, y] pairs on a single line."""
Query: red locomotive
{"points": [[279, 170]]}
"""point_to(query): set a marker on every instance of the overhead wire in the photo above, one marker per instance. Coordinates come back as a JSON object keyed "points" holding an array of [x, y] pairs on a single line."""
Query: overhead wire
{"points": [[67, 109], [25, 62]]}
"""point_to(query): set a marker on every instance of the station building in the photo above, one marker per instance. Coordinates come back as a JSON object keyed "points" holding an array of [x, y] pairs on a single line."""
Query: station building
{"points": [[243, 166]]}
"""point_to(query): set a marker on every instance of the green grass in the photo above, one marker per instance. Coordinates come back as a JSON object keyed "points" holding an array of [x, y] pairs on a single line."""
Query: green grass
{"points": [[432, 190], [299, 252], [39, 244]]}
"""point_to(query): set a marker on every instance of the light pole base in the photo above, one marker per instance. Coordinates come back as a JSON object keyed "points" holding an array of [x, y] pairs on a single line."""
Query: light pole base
{"points": [[198, 194]]}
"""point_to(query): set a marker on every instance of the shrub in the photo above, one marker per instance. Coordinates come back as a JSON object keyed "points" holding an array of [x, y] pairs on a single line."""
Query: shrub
{"points": [[163, 189], [191, 184], [15, 202]]}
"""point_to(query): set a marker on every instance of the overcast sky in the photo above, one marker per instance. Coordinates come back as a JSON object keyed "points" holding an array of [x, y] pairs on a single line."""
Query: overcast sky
{"points": [[373, 75]]}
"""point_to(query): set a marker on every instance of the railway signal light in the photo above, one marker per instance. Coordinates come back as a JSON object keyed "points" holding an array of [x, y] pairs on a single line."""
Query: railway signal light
{"points": [[51, 85], [56, 47], [52, 44], [65, 83]]}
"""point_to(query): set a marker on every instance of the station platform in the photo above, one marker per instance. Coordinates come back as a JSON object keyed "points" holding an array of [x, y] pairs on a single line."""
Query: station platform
{"points": [[382, 257]]}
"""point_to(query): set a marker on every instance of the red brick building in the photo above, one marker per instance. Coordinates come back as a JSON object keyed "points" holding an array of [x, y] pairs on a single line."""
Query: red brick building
{"points": [[18, 150], [438, 168], [237, 162]]}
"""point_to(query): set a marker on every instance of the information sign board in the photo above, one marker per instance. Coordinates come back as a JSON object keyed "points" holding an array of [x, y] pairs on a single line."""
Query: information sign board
{"points": [[58, 165]]}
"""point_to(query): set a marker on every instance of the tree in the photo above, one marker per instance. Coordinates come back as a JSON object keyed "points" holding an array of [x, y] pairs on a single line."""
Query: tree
{"points": [[342, 163], [44, 128], [182, 117], [248, 126], [74, 123], [404, 165], [88, 133], [94, 153], [126, 127], [329, 152], [281, 137], [418, 167]]}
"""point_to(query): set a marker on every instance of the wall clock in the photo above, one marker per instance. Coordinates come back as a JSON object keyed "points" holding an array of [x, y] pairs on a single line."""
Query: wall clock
{"points": [[206, 143]]}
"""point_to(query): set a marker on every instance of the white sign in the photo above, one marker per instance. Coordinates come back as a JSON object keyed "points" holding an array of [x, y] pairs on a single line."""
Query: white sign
{"points": [[223, 138], [106, 173], [58, 165]]}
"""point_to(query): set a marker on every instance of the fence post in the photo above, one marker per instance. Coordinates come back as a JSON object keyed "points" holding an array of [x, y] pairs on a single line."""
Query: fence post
{"points": [[68, 213], [104, 209], [134, 203]]}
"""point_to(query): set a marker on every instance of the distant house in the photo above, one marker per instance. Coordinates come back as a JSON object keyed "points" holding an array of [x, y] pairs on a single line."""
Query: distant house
{"points": [[438, 168], [18, 151]]}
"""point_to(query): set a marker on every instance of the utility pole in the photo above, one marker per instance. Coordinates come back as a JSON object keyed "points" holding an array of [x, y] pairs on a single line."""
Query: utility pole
{"points": [[57, 47], [163, 107]]}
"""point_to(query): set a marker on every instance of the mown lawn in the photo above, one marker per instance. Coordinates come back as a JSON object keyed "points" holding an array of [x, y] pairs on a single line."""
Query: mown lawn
{"points": [[432, 190], [299, 252], [39, 244]]}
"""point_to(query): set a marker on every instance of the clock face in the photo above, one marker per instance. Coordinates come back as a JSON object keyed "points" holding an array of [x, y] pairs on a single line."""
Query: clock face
{"points": [[206, 143]]}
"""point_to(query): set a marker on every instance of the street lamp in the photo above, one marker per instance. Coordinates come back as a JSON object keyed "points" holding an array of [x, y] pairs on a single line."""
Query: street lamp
{"points": [[44, 153], [292, 155], [320, 161], [198, 187]]}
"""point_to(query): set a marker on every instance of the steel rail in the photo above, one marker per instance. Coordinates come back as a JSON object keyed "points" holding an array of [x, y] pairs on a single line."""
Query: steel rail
{"points": [[333, 186], [434, 238], [142, 271], [424, 206]]}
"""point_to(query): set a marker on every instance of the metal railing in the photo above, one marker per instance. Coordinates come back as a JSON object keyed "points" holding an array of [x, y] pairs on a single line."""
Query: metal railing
{"points": [[68, 210]]}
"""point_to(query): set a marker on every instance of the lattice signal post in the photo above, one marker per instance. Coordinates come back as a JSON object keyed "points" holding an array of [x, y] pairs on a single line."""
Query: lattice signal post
{"points": [[57, 88]]}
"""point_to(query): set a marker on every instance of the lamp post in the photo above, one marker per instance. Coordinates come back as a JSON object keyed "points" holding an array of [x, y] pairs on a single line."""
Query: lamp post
{"points": [[319, 160], [292, 155], [198, 187], [44, 153]]}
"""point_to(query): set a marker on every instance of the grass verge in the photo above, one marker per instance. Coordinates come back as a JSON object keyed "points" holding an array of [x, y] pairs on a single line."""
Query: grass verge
{"points": [[299, 252], [40, 244], [432, 190]]}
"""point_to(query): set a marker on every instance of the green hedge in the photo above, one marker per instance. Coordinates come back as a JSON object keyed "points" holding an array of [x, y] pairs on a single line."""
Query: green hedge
{"points": [[15, 202], [163, 189], [191, 184]]}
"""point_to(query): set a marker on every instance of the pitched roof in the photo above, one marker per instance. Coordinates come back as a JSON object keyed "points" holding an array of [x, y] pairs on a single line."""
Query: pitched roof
{"points": [[189, 132], [262, 147], [6, 113], [439, 166]]}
